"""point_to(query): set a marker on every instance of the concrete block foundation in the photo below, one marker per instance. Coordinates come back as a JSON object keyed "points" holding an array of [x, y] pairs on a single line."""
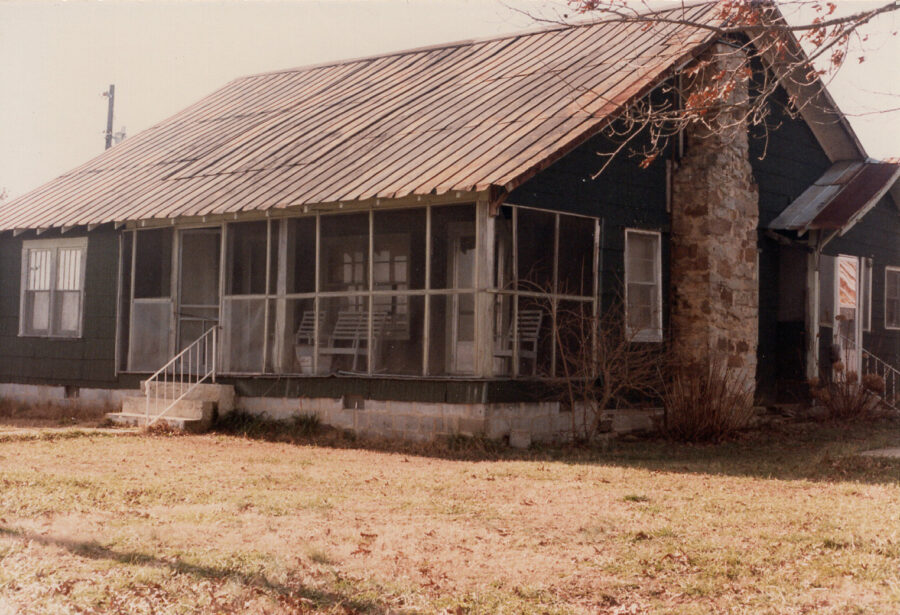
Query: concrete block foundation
{"points": [[519, 423]]}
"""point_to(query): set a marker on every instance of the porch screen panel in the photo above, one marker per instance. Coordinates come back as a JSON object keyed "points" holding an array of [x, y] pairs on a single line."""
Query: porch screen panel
{"points": [[343, 335], [292, 317], [535, 251], [452, 313], [575, 268], [300, 265], [150, 326], [344, 253], [398, 271], [244, 307], [399, 250], [398, 341], [153, 264], [573, 339], [246, 258], [503, 334], [295, 354], [200, 270], [440, 355], [452, 240], [535, 336], [243, 333], [151, 311]]}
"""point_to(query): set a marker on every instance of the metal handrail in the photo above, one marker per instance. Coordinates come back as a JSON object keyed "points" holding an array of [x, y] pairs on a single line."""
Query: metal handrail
{"points": [[888, 373], [872, 364], [198, 355]]}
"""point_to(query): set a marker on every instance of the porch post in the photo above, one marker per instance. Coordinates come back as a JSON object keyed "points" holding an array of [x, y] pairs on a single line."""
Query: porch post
{"points": [[812, 307], [484, 301]]}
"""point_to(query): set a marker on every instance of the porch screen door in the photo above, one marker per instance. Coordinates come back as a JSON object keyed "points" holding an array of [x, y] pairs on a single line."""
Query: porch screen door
{"points": [[461, 315], [150, 288], [198, 287]]}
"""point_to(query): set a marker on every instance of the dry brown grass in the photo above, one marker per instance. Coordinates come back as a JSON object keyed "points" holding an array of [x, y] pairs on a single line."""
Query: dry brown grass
{"points": [[18, 414], [219, 524]]}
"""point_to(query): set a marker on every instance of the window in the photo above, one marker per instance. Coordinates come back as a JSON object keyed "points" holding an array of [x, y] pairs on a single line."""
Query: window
{"points": [[892, 298], [52, 287], [643, 286]]}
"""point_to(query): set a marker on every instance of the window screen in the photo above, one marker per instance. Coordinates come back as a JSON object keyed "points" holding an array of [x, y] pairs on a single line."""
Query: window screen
{"points": [[643, 286]]}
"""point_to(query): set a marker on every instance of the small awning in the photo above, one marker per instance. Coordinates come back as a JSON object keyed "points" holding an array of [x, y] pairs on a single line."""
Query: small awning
{"points": [[838, 199]]}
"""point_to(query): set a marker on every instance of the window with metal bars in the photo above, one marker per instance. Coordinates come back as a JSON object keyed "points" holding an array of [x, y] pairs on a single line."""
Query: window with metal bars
{"points": [[52, 287]]}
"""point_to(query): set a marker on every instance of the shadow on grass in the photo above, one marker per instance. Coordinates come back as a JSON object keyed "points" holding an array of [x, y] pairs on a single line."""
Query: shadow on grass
{"points": [[817, 451], [318, 599]]}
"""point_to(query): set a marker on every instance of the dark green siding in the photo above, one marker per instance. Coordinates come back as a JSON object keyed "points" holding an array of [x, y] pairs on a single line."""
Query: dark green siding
{"points": [[786, 160], [876, 236], [88, 361], [624, 196]]}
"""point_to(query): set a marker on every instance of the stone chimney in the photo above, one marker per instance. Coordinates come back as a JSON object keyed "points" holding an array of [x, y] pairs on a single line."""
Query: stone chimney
{"points": [[715, 211]]}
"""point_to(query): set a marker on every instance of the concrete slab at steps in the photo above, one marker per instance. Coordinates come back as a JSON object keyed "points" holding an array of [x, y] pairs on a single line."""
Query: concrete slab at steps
{"points": [[175, 422], [221, 394]]}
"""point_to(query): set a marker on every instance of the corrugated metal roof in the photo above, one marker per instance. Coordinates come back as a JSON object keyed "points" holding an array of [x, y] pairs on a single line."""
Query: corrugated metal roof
{"points": [[458, 117], [840, 197]]}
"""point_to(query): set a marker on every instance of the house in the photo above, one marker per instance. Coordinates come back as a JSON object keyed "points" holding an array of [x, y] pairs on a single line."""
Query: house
{"points": [[387, 241]]}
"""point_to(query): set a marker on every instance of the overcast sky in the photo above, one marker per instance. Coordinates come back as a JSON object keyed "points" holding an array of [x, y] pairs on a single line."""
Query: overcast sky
{"points": [[57, 58]]}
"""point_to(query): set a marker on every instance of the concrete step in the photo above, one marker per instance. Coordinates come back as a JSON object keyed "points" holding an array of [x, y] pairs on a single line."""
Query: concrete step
{"points": [[221, 394], [196, 409], [174, 422]]}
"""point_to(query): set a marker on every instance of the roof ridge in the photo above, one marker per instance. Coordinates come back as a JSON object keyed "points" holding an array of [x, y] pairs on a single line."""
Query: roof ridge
{"points": [[466, 42]]}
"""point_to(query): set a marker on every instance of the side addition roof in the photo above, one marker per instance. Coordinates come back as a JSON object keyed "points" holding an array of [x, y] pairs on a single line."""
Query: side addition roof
{"points": [[838, 199], [458, 117]]}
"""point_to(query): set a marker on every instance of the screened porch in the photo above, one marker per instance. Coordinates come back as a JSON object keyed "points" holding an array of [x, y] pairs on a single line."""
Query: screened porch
{"points": [[417, 292]]}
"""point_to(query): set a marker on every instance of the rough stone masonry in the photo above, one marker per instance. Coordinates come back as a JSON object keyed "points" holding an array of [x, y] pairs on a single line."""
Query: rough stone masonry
{"points": [[715, 210]]}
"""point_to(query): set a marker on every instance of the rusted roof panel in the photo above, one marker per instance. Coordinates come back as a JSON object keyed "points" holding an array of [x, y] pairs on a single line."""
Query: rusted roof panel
{"points": [[458, 117], [840, 197]]}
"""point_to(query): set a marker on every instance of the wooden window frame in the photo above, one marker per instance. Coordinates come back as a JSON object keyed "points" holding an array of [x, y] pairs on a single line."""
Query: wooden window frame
{"points": [[653, 335], [54, 245], [888, 271]]}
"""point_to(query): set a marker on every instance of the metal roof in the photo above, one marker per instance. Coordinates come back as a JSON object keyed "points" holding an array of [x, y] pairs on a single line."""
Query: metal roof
{"points": [[459, 117], [840, 197]]}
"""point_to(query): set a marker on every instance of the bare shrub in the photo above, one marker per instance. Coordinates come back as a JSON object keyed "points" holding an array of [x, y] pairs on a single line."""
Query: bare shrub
{"points": [[601, 368], [845, 397], [707, 405]]}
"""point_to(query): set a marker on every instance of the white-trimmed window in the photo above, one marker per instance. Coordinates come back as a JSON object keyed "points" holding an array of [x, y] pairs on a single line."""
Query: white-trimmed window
{"points": [[52, 287], [892, 298], [643, 286]]}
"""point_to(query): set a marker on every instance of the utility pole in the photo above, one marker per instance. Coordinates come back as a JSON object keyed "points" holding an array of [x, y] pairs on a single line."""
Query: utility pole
{"points": [[111, 95]]}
